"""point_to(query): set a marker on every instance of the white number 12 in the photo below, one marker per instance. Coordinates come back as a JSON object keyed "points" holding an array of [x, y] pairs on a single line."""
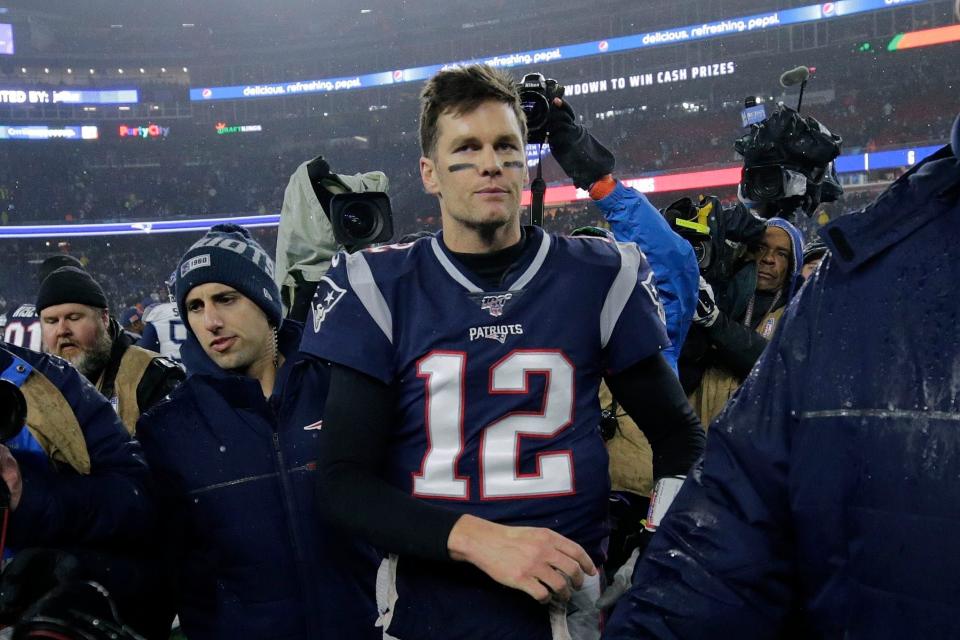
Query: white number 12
{"points": [[499, 464]]}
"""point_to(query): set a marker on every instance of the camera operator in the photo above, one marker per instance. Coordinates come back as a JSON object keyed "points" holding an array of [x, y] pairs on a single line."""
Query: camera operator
{"points": [[788, 168], [733, 340], [77, 483], [306, 239], [785, 531]]}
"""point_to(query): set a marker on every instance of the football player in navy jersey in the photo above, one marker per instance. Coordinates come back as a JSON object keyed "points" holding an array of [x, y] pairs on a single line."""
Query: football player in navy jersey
{"points": [[461, 428]]}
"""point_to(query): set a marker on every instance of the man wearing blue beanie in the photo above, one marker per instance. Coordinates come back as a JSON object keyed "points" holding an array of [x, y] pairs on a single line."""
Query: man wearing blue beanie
{"points": [[234, 452]]}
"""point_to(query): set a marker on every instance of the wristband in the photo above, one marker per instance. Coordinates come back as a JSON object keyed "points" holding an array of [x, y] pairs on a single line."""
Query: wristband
{"points": [[602, 187]]}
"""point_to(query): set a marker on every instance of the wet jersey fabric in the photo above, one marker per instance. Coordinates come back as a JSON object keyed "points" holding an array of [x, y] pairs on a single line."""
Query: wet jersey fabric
{"points": [[497, 412]]}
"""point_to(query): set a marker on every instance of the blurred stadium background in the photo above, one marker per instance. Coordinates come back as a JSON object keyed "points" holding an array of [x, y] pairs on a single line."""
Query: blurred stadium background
{"points": [[149, 114]]}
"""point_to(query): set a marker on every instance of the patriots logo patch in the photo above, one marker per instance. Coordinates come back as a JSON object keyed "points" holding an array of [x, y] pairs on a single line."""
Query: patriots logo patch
{"points": [[326, 298]]}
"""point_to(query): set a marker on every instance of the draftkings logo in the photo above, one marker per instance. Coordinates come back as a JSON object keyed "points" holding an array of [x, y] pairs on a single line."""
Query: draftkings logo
{"points": [[498, 332]]}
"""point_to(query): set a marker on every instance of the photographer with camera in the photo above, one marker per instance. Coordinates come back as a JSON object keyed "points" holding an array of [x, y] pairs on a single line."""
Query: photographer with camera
{"points": [[322, 213], [233, 450], [784, 531], [77, 485], [788, 168], [463, 389]]}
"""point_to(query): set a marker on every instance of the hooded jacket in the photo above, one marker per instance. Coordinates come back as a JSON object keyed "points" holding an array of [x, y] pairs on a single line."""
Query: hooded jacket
{"points": [[237, 474], [826, 504]]}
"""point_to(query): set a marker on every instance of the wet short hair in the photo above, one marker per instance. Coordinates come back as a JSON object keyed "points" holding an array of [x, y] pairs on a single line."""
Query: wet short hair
{"points": [[460, 90]]}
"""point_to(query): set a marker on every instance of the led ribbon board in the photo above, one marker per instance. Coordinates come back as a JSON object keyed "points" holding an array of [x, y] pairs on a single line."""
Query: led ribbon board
{"points": [[40, 95], [690, 33]]}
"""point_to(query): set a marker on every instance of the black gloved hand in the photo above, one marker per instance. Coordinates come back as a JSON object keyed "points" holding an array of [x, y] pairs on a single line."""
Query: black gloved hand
{"points": [[580, 155], [706, 312]]}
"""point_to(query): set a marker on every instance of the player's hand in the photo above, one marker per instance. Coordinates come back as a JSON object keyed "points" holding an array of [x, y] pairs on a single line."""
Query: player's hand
{"points": [[11, 475], [537, 561], [580, 155]]}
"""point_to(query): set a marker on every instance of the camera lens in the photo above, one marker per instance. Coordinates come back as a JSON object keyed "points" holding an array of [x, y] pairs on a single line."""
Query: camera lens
{"points": [[536, 108], [360, 221], [764, 183]]}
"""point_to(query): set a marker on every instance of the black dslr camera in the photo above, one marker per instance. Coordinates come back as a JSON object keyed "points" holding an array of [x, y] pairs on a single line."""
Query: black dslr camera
{"points": [[536, 94]]}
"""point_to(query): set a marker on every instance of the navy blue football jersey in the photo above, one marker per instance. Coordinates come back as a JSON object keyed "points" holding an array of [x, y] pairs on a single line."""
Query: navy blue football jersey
{"points": [[23, 328], [498, 411]]}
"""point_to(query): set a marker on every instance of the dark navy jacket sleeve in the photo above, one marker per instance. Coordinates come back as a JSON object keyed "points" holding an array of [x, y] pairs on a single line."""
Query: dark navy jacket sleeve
{"points": [[633, 219], [60, 506], [721, 563]]}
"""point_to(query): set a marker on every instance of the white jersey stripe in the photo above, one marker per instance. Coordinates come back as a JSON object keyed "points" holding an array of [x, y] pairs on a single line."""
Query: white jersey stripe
{"points": [[362, 282], [534, 267], [620, 291], [451, 269]]}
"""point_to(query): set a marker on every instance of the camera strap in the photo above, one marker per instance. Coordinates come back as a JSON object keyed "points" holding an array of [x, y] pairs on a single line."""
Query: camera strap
{"points": [[538, 188]]}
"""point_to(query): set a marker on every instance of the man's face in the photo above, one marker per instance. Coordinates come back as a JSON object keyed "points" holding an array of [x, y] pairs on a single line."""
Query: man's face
{"points": [[479, 167], [232, 330], [78, 334], [773, 262]]}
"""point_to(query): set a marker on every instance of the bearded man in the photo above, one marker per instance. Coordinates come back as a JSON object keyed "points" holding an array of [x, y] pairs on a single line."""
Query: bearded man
{"points": [[77, 327]]}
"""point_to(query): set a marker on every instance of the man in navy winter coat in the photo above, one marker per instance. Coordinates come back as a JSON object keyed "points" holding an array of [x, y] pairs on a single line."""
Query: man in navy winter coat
{"points": [[827, 501], [234, 449], [79, 484]]}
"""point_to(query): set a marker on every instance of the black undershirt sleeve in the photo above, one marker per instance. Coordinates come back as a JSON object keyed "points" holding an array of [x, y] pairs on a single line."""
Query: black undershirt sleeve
{"points": [[651, 394], [358, 419]]}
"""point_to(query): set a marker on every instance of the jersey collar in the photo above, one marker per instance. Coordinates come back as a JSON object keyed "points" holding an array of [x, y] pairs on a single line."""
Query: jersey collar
{"points": [[527, 266]]}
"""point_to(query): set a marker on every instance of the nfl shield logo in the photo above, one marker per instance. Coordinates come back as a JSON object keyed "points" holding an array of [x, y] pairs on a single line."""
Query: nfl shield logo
{"points": [[495, 304]]}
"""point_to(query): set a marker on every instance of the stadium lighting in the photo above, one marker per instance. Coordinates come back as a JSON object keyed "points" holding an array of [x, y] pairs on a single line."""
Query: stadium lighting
{"points": [[119, 70], [69, 70], [23, 69], [187, 24], [46, 69], [163, 69], [365, 10], [184, 69], [141, 70], [91, 71]]}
